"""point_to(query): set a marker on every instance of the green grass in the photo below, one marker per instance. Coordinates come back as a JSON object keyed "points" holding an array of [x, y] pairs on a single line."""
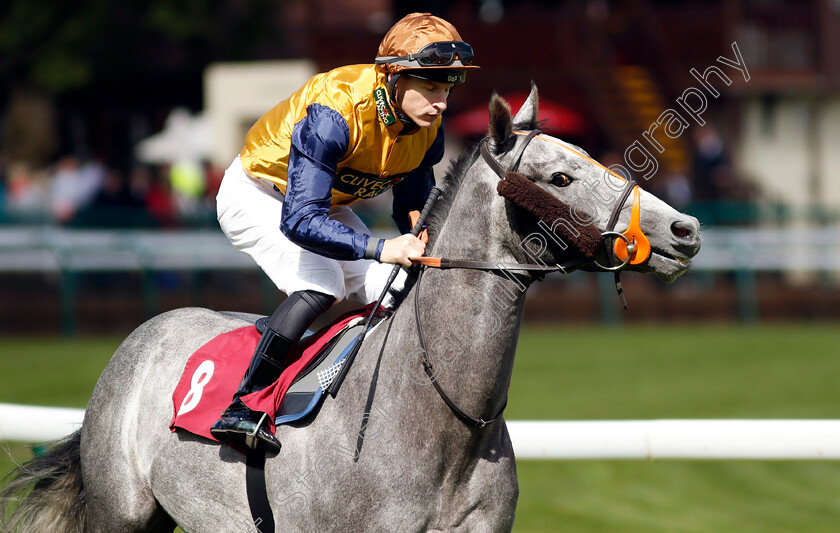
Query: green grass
{"points": [[54, 372], [679, 496], [778, 371]]}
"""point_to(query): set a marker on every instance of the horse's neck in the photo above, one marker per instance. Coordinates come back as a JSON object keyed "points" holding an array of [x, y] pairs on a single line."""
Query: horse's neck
{"points": [[470, 319]]}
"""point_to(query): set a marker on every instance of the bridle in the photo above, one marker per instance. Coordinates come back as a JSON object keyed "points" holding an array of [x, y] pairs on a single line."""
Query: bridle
{"points": [[622, 249], [630, 247]]}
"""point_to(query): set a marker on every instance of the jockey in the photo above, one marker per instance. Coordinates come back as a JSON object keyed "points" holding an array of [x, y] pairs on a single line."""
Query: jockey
{"points": [[348, 134]]}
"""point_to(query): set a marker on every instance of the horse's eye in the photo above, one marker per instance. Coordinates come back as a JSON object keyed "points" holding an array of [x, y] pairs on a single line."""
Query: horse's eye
{"points": [[561, 179]]}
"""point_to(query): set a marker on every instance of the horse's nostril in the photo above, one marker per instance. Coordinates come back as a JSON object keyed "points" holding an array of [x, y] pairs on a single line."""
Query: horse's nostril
{"points": [[680, 231]]}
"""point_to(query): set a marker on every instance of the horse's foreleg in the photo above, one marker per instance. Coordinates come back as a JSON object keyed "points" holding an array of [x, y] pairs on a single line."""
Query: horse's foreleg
{"points": [[487, 502]]}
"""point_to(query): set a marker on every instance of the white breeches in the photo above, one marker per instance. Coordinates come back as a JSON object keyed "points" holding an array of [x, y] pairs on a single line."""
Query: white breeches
{"points": [[249, 212]]}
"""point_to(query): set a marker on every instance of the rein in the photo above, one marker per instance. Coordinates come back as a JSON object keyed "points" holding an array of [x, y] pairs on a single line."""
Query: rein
{"points": [[438, 262], [464, 417], [443, 263]]}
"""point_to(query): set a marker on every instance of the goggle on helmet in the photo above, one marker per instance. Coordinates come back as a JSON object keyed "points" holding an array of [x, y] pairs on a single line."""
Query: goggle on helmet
{"points": [[427, 47]]}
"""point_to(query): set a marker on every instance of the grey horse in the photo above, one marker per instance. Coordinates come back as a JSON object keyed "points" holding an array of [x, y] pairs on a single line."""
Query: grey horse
{"points": [[387, 453]]}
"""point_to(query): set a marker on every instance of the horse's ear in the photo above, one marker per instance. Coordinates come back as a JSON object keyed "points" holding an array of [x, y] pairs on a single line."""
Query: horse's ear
{"points": [[526, 117], [501, 124]]}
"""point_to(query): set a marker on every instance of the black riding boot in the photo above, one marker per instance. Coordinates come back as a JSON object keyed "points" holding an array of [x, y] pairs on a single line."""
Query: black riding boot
{"points": [[240, 425]]}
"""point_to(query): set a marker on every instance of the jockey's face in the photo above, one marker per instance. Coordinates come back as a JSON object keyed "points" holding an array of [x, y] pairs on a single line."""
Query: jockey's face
{"points": [[422, 101]]}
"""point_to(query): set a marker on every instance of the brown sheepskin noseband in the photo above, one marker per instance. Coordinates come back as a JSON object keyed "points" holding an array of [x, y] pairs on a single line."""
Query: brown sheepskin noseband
{"points": [[527, 195]]}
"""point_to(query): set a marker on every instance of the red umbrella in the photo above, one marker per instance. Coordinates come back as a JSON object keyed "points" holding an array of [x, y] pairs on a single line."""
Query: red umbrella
{"points": [[556, 118]]}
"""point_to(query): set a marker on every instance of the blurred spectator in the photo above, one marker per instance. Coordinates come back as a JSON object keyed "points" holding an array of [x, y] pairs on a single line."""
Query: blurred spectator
{"points": [[26, 191], [187, 180], [159, 201], [94, 195], [139, 182], [72, 188], [3, 186], [93, 177], [113, 205], [712, 174], [213, 180], [115, 193]]}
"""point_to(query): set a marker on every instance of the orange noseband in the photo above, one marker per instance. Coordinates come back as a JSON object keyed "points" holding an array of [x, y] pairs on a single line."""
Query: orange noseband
{"points": [[637, 246]]}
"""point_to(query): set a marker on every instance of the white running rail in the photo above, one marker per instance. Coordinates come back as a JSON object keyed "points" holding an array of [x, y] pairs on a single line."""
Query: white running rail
{"points": [[29, 423], [548, 439], [677, 439]]}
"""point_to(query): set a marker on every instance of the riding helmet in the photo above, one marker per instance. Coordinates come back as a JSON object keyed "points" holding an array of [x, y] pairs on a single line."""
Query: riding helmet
{"points": [[427, 47]]}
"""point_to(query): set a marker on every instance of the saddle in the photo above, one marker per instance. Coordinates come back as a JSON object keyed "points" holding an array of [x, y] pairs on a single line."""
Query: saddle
{"points": [[213, 372], [309, 387]]}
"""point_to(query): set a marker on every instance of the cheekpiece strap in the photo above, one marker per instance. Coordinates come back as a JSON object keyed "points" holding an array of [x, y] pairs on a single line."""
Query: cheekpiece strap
{"points": [[489, 159], [516, 158]]}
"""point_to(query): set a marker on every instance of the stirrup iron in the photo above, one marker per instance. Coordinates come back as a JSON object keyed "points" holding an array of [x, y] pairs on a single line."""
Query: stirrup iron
{"points": [[251, 439]]}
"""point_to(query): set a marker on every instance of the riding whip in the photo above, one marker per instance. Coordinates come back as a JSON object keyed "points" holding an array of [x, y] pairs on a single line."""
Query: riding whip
{"points": [[345, 366]]}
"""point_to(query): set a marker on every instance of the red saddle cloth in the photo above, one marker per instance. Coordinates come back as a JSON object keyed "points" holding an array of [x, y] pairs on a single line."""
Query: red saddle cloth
{"points": [[213, 373]]}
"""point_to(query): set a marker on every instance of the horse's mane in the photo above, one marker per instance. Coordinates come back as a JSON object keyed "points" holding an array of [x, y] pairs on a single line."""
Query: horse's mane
{"points": [[452, 181], [451, 184], [454, 178]]}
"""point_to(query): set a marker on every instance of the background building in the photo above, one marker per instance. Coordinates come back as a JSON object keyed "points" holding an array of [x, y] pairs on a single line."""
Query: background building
{"points": [[120, 115]]}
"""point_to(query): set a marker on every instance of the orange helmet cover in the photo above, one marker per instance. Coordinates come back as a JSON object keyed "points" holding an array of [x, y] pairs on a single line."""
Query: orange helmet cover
{"points": [[411, 34]]}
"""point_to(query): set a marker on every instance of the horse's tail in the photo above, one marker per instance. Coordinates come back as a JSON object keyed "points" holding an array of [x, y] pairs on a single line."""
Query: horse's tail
{"points": [[56, 501]]}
